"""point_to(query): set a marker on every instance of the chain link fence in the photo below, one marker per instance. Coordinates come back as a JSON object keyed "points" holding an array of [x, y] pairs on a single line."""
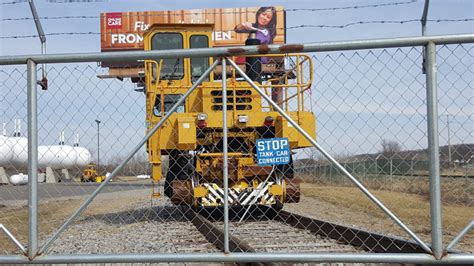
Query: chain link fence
{"points": [[366, 108], [371, 110]]}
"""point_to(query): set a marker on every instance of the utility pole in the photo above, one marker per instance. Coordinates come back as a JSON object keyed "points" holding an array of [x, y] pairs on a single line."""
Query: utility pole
{"points": [[98, 146]]}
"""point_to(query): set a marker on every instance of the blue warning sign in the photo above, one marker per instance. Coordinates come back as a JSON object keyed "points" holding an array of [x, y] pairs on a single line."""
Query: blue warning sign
{"points": [[273, 151]]}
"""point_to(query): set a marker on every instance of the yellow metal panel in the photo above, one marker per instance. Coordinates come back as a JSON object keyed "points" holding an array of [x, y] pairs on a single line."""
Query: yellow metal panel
{"points": [[308, 123], [200, 192], [186, 133], [156, 172], [242, 162], [276, 190], [255, 184], [241, 185], [283, 129], [220, 154]]}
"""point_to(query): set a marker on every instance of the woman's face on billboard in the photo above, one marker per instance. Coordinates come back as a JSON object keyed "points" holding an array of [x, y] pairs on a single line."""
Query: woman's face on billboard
{"points": [[265, 17]]}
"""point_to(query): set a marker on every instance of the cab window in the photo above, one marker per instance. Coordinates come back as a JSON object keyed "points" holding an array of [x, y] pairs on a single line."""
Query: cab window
{"points": [[169, 101], [172, 69], [199, 64]]}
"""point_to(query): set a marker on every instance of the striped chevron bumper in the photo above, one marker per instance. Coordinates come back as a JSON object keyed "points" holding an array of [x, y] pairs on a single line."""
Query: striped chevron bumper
{"points": [[239, 196]]}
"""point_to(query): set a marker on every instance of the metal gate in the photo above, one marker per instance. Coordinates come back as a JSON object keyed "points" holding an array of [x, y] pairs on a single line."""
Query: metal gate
{"points": [[229, 237]]}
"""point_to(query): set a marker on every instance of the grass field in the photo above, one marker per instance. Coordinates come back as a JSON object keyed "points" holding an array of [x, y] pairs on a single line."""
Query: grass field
{"points": [[414, 209], [348, 205], [458, 191]]}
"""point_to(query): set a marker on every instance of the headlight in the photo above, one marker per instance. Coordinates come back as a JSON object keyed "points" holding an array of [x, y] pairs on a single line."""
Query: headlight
{"points": [[243, 118], [202, 116]]}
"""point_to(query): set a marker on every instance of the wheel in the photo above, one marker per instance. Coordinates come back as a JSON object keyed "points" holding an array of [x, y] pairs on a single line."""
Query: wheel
{"points": [[180, 168]]}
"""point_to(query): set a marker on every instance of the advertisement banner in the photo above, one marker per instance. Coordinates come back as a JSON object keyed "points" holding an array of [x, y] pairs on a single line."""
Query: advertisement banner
{"points": [[124, 30]]}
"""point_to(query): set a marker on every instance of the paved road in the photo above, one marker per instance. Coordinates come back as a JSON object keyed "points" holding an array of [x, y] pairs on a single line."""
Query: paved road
{"points": [[49, 191]]}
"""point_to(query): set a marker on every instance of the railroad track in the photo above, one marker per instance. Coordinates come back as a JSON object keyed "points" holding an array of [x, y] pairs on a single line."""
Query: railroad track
{"points": [[291, 233]]}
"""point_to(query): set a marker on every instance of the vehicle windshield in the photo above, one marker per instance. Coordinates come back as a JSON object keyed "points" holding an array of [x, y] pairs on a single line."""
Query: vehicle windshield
{"points": [[172, 69], [199, 64]]}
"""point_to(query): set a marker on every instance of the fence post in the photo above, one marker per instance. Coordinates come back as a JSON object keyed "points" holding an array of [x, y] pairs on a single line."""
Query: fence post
{"points": [[391, 167], [364, 170], [433, 151], [330, 173], [225, 165], [32, 160]]}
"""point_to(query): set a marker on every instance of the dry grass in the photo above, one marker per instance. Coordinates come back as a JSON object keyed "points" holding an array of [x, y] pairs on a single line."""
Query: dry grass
{"points": [[348, 205], [413, 209], [15, 220], [52, 214], [457, 191]]}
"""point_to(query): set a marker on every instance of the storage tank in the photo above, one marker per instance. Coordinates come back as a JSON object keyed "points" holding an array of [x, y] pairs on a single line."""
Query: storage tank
{"points": [[5, 151], [14, 153], [83, 156], [19, 150], [19, 179], [63, 157]]}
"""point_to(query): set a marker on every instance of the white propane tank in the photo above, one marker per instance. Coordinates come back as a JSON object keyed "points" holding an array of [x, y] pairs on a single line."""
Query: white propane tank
{"points": [[19, 179], [56, 157], [14, 153], [19, 149], [83, 157], [63, 156], [5, 151]]}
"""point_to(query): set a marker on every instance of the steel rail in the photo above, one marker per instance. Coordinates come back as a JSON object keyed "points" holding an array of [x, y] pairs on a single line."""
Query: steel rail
{"points": [[374, 199], [370, 241], [239, 50], [215, 235], [129, 157], [455, 259]]}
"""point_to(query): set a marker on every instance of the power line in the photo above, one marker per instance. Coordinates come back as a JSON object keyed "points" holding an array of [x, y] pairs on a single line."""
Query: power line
{"points": [[212, 13], [292, 9], [74, 1], [352, 7], [50, 34], [378, 22], [46, 18], [53, 1], [287, 28], [13, 2]]}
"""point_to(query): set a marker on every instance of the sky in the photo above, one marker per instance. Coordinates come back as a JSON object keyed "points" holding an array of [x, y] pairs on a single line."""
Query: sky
{"points": [[352, 91], [439, 9]]}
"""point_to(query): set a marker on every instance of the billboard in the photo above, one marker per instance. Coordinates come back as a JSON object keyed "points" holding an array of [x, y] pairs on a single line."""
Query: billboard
{"points": [[124, 30]]}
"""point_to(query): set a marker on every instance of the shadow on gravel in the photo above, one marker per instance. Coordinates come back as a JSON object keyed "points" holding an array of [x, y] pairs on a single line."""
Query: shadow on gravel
{"points": [[177, 214], [254, 213], [150, 214]]}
